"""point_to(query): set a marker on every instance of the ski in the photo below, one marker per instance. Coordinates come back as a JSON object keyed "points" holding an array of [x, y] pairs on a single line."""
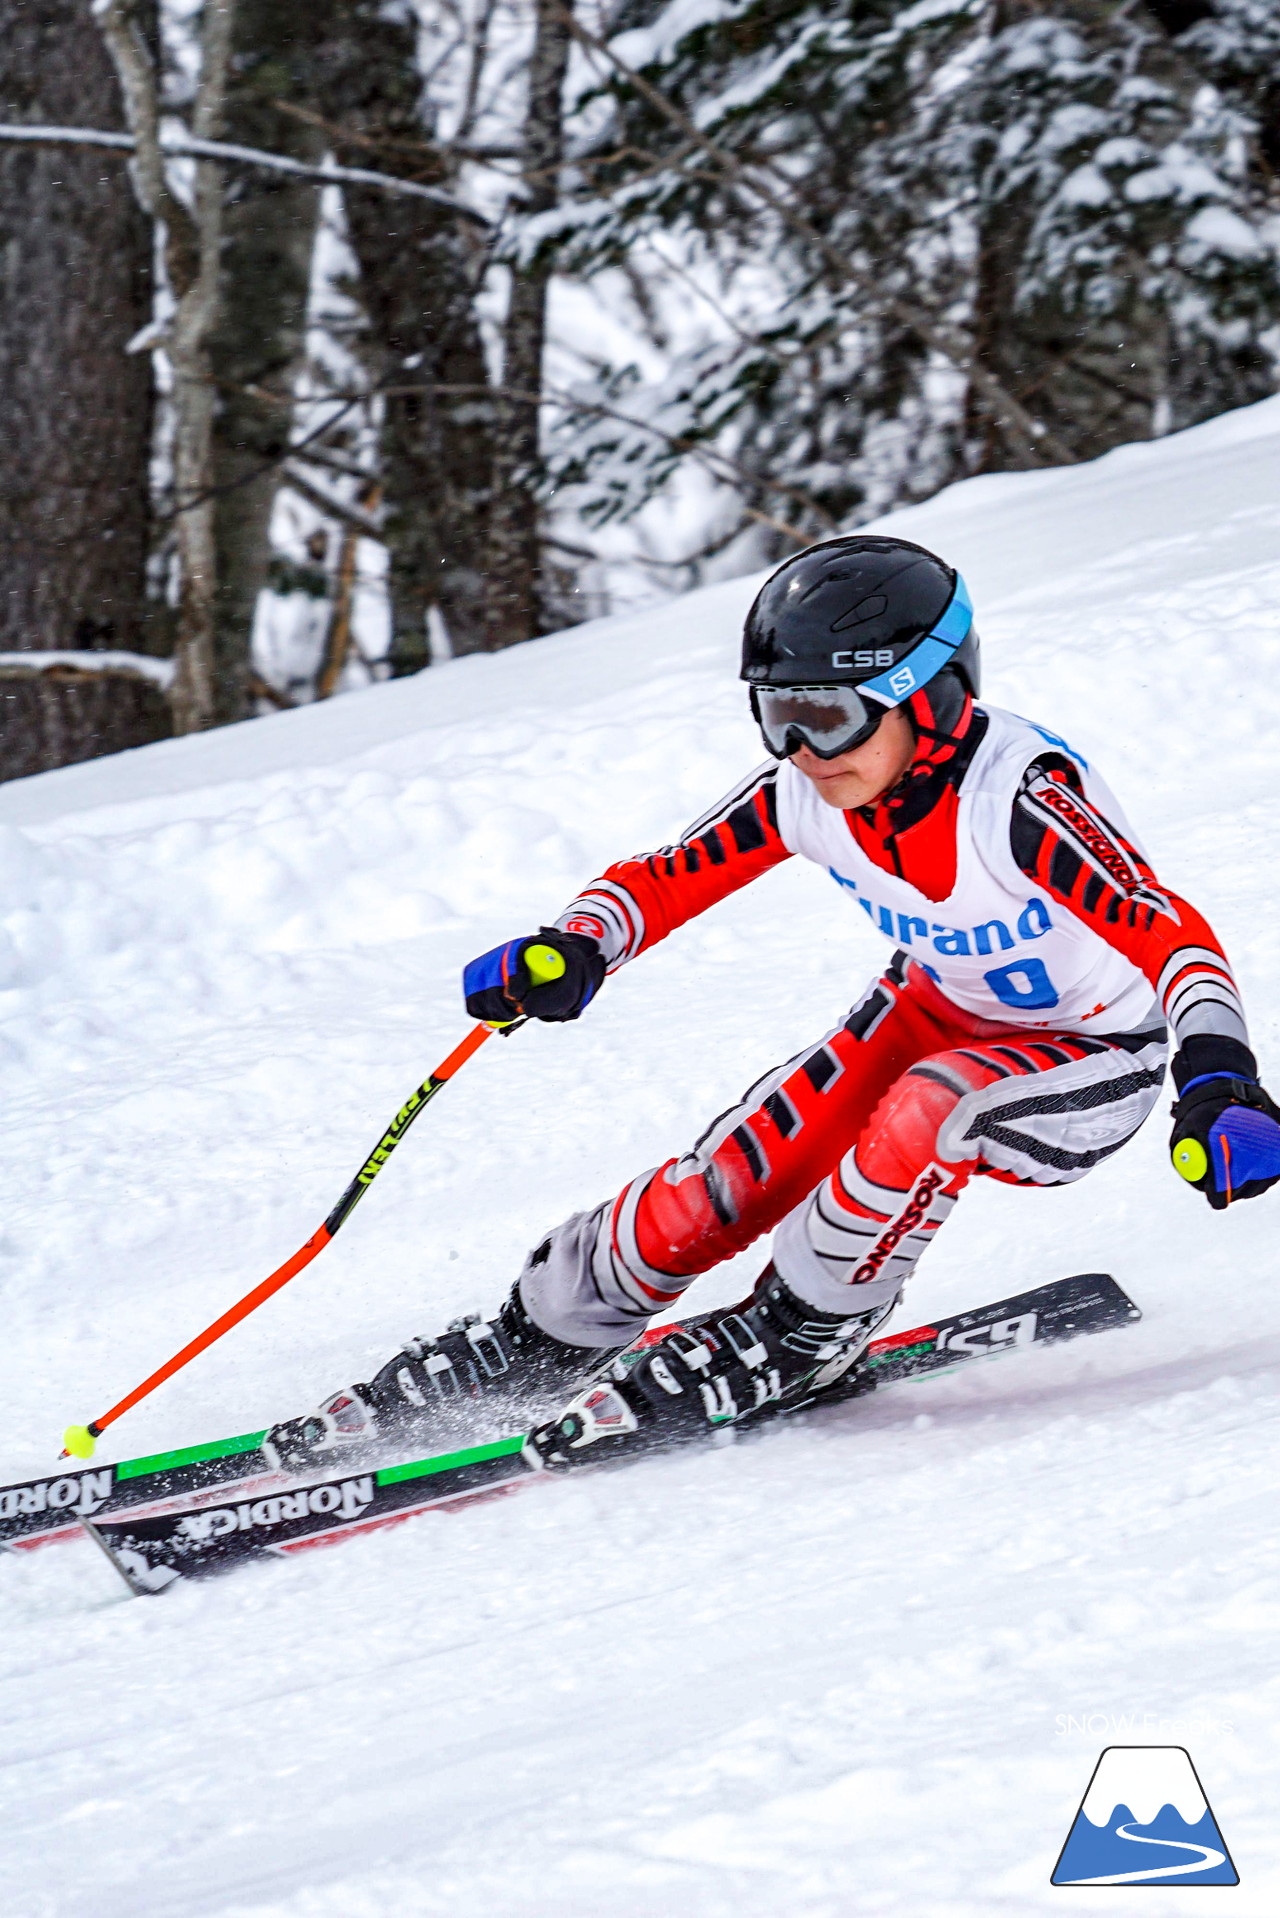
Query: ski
{"points": [[44, 1511], [199, 1539]]}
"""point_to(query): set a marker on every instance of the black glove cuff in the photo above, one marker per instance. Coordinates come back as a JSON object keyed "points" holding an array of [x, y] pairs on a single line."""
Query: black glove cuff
{"points": [[1219, 1093], [1207, 1052], [558, 937]]}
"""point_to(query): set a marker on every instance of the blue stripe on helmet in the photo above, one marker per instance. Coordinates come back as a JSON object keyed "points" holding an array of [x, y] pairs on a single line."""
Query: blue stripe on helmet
{"points": [[918, 666]]}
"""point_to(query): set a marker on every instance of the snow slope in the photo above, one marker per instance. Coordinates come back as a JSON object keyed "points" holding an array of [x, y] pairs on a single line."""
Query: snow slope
{"points": [[865, 1664]]}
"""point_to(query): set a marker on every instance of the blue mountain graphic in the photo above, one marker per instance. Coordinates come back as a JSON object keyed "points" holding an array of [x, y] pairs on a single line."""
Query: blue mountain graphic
{"points": [[1168, 1851]]}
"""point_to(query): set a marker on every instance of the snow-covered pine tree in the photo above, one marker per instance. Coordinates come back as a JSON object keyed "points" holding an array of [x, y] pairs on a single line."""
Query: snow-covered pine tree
{"points": [[900, 199], [814, 387], [1124, 283]]}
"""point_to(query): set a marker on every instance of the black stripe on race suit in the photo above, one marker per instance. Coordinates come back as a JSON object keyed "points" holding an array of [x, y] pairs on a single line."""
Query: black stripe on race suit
{"points": [[985, 1060], [1064, 867], [997, 1123], [821, 1067], [783, 1113], [1127, 1041], [152, 1553], [747, 827], [761, 778]]}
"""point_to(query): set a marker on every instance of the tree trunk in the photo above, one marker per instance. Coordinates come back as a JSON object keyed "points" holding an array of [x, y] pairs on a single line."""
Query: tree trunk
{"points": [[269, 225], [514, 584], [417, 287], [192, 244], [194, 696], [75, 409]]}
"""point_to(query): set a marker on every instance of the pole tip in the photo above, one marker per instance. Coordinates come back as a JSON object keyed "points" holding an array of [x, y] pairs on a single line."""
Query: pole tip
{"points": [[78, 1442]]}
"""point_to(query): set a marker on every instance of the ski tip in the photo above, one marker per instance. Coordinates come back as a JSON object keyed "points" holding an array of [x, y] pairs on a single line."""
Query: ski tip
{"points": [[77, 1442], [144, 1579]]}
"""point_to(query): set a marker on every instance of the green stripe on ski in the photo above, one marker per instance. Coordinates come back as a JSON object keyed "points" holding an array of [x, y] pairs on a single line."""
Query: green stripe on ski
{"points": [[474, 1455], [896, 1353], [190, 1455]]}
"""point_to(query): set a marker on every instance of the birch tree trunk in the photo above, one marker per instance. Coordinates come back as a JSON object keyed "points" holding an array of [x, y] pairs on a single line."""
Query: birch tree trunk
{"points": [[192, 242]]}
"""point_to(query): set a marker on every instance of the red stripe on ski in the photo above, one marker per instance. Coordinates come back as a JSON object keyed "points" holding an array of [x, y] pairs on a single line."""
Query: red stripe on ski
{"points": [[915, 1337], [337, 1533], [37, 1539]]}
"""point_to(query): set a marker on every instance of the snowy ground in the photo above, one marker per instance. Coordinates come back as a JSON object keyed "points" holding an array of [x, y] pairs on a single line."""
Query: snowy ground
{"points": [[837, 1669]]}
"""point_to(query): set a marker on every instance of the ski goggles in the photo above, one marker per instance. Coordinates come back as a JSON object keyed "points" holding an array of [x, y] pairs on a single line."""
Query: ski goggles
{"points": [[833, 719], [829, 720]]}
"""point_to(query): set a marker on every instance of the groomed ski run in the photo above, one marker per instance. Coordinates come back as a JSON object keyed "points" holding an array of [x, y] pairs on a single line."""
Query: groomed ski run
{"points": [[865, 1664]]}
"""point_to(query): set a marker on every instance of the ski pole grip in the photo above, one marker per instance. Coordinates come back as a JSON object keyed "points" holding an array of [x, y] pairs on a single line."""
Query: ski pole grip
{"points": [[1190, 1160], [543, 964]]}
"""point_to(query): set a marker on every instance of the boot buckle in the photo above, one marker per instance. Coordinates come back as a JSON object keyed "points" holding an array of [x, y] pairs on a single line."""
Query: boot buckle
{"points": [[487, 1347]]}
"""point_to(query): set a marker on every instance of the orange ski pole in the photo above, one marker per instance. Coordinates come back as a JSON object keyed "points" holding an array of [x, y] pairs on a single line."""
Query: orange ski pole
{"points": [[78, 1441]]}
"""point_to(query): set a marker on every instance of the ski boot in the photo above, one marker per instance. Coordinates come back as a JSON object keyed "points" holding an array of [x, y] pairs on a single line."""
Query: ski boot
{"points": [[773, 1352], [477, 1372]]}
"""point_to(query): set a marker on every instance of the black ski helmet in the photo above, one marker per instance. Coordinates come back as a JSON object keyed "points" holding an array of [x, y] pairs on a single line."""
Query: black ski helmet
{"points": [[863, 610]]}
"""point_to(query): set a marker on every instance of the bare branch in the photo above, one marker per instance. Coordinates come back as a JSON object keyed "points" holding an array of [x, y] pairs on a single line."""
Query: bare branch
{"points": [[396, 143], [257, 472], [732, 473], [479, 55], [263, 689], [345, 513], [678, 443], [336, 463], [748, 339]]}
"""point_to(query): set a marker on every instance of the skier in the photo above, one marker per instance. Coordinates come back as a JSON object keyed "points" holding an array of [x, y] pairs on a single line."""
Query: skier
{"points": [[1019, 1031]]}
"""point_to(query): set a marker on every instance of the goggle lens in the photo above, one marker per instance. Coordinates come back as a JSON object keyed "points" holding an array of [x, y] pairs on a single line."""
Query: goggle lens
{"points": [[829, 720]]}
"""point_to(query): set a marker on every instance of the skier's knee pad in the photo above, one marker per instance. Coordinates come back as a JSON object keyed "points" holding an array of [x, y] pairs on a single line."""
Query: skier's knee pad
{"points": [[901, 1135], [687, 1220]]}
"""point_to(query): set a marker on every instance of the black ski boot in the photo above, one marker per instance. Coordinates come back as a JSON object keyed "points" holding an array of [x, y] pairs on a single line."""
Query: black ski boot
{"points": [[476, 1373], [771, 1352]]}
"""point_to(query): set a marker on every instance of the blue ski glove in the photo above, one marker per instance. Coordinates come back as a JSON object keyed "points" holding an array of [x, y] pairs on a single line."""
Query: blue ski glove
{"points": [[1226, 1129], [499, 986]]}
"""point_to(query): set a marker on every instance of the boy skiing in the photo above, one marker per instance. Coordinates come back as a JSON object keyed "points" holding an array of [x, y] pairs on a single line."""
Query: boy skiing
{"points": [[1020, 1031]]}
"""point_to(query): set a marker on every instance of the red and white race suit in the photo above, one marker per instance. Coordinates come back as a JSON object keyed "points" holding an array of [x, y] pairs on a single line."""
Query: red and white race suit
{"points": [[1033, 943]]}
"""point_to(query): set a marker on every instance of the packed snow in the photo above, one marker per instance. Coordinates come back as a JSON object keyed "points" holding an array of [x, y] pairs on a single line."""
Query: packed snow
{"points": [[862, 1664]]}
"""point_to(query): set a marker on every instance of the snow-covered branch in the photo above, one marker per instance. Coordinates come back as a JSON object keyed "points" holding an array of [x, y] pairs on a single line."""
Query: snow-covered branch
{"points": [[184, 146], [74, 665], [994, 396]]}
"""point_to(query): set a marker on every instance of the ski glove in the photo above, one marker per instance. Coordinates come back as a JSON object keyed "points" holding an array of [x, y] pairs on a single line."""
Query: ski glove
{"points": [[499, 987], [1226, 1129]]}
